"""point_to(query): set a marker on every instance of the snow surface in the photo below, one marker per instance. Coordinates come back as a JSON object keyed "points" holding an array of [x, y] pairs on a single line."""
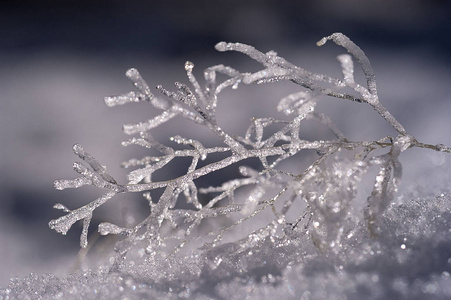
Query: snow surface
{"points": [[411, 260]]}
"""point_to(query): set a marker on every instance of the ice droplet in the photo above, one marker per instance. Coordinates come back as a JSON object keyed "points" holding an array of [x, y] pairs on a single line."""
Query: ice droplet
{"points": [[75, 183], [209, 75], [321, 42], [189, 66], [61, 207], [78, 149], [404, 142], [111, 101], [138, 81], [58, 184], [442, 148], [108, 228], [222, 46]]}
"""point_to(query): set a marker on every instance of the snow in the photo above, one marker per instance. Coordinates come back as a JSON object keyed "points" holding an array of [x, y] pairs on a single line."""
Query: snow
{"points": [[411, 261]]}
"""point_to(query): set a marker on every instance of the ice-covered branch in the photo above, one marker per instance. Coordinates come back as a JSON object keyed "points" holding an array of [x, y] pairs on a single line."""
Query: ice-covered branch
{"points": [[319, 195]]}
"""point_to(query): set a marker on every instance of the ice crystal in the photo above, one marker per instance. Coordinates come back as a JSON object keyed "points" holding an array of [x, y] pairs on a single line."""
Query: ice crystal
{"points": [[282, 208]]}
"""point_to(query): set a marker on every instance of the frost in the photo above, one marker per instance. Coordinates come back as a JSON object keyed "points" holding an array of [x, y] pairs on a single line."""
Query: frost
{"points": [[240, 225], [324, 190]]}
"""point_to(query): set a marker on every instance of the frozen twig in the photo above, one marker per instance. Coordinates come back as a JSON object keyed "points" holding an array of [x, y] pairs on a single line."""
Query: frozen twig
{"points": [[325, 188]]}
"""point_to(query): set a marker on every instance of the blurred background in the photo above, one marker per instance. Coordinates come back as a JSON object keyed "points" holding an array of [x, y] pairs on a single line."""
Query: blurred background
{"points": [[58, 59]]}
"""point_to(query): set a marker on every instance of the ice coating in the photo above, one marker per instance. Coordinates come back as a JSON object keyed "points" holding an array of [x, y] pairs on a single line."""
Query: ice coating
{"points": [[123, 99], [342, 40], [139, 82], [297, 206], [347, 67]]}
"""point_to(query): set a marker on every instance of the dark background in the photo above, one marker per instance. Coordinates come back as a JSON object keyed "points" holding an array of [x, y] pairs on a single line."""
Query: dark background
{"points": [[178, 28], [58, 60]]}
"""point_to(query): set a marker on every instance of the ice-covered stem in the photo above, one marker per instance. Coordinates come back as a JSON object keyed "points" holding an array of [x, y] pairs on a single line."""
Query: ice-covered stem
{"points": [[208, 169], [97, 176], [207, 119], [64, 223], [386, 185], [277, 68], [371, 97], [438, 147], [183, 101], [264, 152], [342, 40]]}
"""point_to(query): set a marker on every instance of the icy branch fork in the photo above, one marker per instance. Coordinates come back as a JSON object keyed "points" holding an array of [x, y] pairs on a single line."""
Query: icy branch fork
{"points": [[316, 186]]}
